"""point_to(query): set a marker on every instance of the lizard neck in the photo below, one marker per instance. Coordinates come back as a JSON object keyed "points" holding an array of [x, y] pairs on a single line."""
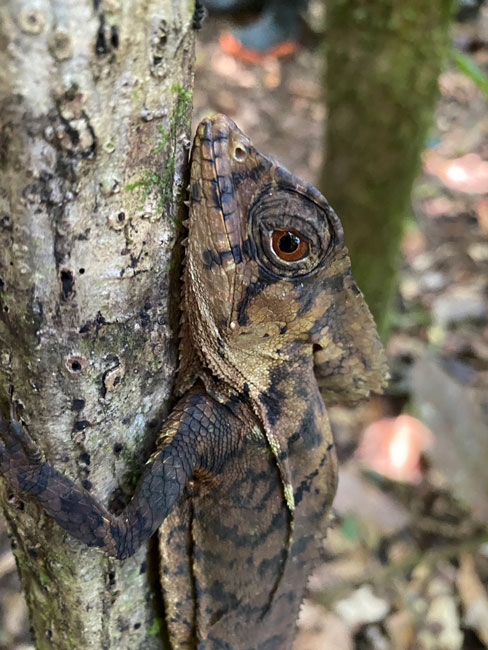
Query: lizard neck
{"points": [[270, 371], [277, 392]]}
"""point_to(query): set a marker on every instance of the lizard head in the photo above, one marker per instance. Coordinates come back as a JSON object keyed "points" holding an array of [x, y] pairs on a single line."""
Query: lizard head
{"points": [[267, 275]]}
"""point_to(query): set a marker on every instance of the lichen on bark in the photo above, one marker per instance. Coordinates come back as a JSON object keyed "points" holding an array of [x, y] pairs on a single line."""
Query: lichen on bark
{"points": [[95, 97]]}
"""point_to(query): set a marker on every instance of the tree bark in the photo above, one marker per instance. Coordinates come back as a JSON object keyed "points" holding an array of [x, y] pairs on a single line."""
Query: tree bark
{"points": [[383, 61], [95, 106]]}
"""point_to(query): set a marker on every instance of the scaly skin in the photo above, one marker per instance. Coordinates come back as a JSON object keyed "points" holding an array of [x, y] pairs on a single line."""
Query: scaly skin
{"points": [[244, 472]]}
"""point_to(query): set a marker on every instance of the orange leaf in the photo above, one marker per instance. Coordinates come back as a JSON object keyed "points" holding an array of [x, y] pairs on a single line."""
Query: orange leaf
{"points": [[466, 174], [392, 447]]}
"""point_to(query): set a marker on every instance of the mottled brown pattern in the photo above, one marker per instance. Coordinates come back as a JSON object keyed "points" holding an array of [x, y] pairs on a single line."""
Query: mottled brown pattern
{"points": [[245, 471]]}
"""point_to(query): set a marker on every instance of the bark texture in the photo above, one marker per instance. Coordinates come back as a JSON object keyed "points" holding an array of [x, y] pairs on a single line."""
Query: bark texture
{"points": [[94, 118], [383, 61]]}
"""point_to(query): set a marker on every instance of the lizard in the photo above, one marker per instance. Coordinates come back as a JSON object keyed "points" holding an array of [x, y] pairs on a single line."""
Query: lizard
{"points": [[244, 472]]}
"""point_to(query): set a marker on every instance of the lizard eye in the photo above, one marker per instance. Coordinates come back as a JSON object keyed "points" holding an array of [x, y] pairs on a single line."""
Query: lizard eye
{"points": [[290, 235], [288, 245]]}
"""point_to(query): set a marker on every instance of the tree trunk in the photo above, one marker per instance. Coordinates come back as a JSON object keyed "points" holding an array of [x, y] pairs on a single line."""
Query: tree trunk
{"points": [[383, 61], [94, 127]]}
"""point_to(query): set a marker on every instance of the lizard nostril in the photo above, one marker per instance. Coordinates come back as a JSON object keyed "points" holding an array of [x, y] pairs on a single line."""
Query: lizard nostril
{"points": [[239, 153]]}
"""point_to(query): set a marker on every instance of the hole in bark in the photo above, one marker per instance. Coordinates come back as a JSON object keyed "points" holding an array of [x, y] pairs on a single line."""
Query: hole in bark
{"points": [[78, 404], [118, 448], [6, 221], [67, 282], [81, 271], [137, 626], [121, 216], [101, 42], [114, 37], [81, 425], [75, 364], [2, 284]]}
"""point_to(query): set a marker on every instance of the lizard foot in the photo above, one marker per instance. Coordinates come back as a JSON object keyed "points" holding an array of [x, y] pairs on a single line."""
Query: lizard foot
{"points": [[18, 452]]}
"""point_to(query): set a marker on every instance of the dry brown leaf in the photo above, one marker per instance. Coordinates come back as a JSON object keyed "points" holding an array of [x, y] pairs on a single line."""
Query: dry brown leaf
{"points": [[362, 607], [453, 412], [474, 598], [482, 213], [227, 66], [351, 568], [318, 628], [375, 509], [441, 627], [413, 242], [17, 609], [7, 563], [401, 629], [437, 207], [460, 303], [271, 73]]}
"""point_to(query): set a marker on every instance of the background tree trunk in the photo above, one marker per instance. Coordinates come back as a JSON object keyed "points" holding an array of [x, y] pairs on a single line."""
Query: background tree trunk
{"points": [[94, 136], [383, 62]]}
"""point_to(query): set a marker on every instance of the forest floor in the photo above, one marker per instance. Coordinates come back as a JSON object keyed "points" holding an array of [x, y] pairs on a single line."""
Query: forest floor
{"points": [[407, 555]]}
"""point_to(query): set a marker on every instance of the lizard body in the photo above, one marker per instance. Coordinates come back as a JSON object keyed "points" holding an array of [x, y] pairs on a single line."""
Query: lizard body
{"points": [[244, 471]]}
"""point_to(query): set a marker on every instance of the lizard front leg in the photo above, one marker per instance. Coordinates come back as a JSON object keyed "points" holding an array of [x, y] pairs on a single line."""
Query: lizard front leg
{"points": [[199, 435]]}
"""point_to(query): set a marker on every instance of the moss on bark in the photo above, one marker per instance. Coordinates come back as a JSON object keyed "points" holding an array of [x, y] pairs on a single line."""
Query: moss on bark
{"points": [[383, 61]]}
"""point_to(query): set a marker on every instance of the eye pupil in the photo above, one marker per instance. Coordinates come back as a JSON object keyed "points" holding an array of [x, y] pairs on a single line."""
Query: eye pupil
{"points": [[289, 242], [288, 245]]}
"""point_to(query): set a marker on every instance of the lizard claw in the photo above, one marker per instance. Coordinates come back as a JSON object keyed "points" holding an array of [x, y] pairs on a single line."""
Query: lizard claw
{"points": [[16, 438]]}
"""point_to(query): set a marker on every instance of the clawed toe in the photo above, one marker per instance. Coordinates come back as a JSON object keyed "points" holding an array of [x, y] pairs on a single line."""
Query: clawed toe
{"points": [[15, 439]]}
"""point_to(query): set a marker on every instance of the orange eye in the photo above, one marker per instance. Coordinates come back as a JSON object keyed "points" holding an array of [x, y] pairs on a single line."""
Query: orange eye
{"points": [[289, 246]]}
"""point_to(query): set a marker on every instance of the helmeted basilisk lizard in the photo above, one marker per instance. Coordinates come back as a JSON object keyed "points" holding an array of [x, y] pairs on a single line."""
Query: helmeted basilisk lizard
{"points": [[244, 471]]}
